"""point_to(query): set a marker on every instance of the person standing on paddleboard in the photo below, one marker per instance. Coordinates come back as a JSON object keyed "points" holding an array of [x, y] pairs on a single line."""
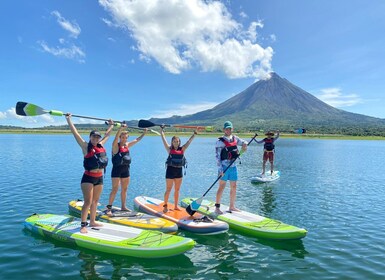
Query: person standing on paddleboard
{"points": [[268, 150], [226, 151], [121, 160], [175, 163], [95, 162]]}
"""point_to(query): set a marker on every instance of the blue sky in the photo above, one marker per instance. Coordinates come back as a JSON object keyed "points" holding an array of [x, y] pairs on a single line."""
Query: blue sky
{"points": [[139, 59]]}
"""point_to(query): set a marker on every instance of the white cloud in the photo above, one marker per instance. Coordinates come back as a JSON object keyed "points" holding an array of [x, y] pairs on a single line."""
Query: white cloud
{"points": [[70, 52], [72, 27], [335, 98], [68, 49], [182, 34], [184, 109]]}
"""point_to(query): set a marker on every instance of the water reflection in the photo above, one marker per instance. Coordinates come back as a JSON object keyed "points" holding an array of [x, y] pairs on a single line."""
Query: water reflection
{"points": [[103, 266]]}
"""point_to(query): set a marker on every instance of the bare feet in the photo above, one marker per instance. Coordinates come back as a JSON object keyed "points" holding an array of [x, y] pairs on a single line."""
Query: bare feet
{"points": [[124, 209], [165, 209], [218, 211], [234, 209], [83, 230], [109, 212], [95, 224], [176, 208]]}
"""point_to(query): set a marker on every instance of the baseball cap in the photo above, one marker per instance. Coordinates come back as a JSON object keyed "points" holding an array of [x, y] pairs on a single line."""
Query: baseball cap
{"points": [[96, 133], [228, 124]]}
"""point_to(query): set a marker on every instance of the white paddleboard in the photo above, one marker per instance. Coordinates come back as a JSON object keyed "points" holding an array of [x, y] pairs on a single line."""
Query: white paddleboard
{"points": [[267, 177]]}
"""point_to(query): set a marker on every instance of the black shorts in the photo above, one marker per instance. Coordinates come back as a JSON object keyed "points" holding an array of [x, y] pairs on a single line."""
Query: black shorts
{"points": [[92, 180], [174, 172], [120, 171]]}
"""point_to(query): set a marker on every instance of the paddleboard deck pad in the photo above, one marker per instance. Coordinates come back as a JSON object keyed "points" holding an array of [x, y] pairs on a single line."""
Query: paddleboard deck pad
{"points": [[267, 177], [109, 238], [197, 223], [128, 218], [248, 223]]}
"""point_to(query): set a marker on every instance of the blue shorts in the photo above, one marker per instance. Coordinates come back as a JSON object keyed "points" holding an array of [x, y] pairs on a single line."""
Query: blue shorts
{"points": [[231, 174]]}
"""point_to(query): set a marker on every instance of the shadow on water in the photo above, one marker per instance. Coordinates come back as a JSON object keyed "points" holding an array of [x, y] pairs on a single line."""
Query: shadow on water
{"points": [[105, 266], [295, 247]]}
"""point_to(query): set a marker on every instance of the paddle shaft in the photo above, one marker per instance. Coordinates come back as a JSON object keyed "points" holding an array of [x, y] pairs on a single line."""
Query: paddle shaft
{"points": [[146, 123]]}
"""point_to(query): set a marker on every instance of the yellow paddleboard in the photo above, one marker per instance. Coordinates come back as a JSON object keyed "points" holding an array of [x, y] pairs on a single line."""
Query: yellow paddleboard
{"points": [[128, 218]]}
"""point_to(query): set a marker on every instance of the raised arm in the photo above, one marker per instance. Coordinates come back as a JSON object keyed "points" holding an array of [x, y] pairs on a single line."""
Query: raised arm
{"points": [[78, 138], [115, 146], [133, 142], [259, 142], [108, 131], [185, 146], [275, 138], [166, 145]]}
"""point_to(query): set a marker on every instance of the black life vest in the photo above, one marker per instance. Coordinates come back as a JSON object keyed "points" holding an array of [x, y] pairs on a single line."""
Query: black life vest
{"points": [[230, 151], [122, 157], [269, 144], [176, 158], [96, 158]]}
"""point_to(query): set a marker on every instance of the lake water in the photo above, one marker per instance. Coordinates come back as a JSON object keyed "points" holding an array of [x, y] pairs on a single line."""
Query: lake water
{"points": [[333, 188]]}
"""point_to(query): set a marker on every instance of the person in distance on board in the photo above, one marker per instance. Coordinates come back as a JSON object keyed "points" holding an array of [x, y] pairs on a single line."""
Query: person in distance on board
{"points": [[268, 150], [175, 163], [226, 150], [95, 162], [121, 160]]}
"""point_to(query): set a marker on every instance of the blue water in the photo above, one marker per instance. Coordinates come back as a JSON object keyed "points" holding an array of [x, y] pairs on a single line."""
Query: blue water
{"points": [[333, 188]]}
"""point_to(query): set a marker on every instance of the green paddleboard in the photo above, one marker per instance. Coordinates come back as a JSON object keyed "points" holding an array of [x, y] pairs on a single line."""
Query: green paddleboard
{"points": [[248, 223], [109, 238]]}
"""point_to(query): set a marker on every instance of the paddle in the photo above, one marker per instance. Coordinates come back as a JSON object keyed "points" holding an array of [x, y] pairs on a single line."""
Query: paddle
{"points": [[28, 109], [146, 123], [194, 205], [119, 124]]}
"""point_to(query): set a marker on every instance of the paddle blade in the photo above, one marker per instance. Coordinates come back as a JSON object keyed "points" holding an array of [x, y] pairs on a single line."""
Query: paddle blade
{"points": [[28, 109], [194, 206], [145, 123], [190, 211]]}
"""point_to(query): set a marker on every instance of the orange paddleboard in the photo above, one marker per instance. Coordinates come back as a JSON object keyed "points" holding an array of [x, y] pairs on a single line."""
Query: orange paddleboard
{"points": [[197, 223]]}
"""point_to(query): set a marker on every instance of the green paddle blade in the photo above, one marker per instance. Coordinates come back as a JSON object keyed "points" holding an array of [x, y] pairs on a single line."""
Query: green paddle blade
{"points": [[28, 109]]}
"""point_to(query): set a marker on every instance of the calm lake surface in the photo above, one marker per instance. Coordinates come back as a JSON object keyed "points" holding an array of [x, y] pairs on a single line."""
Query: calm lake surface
{"points": [[333, 188]]}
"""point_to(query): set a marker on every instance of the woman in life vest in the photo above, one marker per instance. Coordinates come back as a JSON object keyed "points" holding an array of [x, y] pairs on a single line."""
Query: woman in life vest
{"points": [[175, 163], [95, 161], [268, 150], [226, 151], [121, 160]]}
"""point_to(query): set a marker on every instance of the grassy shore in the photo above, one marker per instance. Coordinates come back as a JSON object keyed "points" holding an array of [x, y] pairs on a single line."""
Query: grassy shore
{"points": [[202, 134]]}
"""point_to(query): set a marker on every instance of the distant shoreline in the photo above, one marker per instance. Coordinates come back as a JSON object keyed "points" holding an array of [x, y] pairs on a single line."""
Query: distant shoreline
{"points": [[202, 134]]}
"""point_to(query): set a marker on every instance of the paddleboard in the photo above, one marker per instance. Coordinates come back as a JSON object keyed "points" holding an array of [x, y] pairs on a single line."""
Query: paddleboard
{"points": [[128, 218], [248, 223], [197, 223], [267, 177], [109, 238]]}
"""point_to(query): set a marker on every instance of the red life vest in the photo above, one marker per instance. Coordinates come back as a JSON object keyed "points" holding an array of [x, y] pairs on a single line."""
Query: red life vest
{"points": [[230, 151], [122, 157], [269, 144], [176, 158], [96, 158]]}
